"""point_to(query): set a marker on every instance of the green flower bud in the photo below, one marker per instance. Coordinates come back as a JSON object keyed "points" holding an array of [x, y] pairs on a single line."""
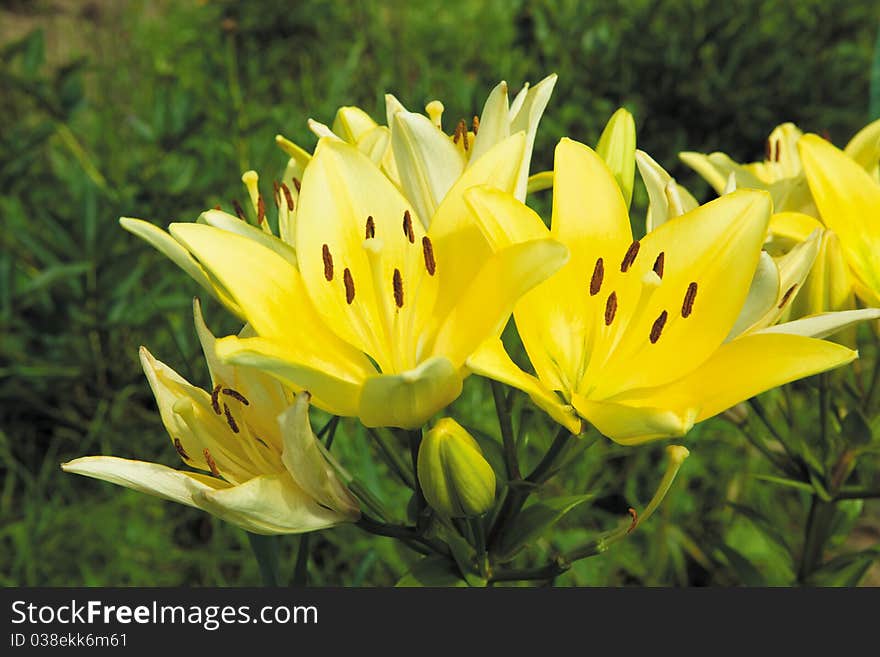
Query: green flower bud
{"points": [[455, 478]]}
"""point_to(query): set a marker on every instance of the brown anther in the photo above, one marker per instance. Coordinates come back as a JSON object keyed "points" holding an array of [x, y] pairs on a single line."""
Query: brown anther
{"points": [[211, 464], [408, 227], [370, 231], [217, 207], [461, 132], [610, 308], [630, 257], [787, 295], [328, 262], [657, 328], [297, 184], [768, 150], [397, 281], [659, 264], [598, 275], [239, 211], [287, 196], [276, 193], [229, 419], [777, 155], [687, 307], [476, 125], [261, 209], [635, 519], [349, 285], [428, 252], [180, 450], [215, 403], [235, 394]]}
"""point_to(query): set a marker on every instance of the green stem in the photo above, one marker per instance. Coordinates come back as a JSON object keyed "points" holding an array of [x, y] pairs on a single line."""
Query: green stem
{"points": [[266, 551], [758, 408], [406, 534], [502, 408], [517, 496], [367, 497], [301, 570], [394, 460], [545, 469], [414, 438], [816, 535]]}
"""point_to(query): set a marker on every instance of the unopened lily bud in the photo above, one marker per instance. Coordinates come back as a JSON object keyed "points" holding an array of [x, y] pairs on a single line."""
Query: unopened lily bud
{"points": [[455, 478]]}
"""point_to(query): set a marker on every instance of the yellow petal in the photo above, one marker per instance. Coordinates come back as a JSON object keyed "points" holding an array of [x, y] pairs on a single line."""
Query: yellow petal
{"points": [[171, 248], [848, 200], [375, 144], [427, 161], [228, 222], [589, 212], [829, 284], [504, 220], [540, 181], [556, 320], [666, 198], [710, 256], [269, 504], [304, 370], [271, 294], [525, 115], [744, 368], [762, 298], [485, 306], [193, 425], [825, 324], [307, 464], [630, 424], [145, 477], [455, 235], [793, 226], [491, 360], [617, 146], [342, 192], [409, 399], [351, 123], [494, 122], [864, 147], [716, 168]]}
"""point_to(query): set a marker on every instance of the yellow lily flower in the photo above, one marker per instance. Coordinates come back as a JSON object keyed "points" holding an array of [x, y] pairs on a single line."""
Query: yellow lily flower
{"points": [[262, 468], [380, 313], [630, 335], [415, 153]]}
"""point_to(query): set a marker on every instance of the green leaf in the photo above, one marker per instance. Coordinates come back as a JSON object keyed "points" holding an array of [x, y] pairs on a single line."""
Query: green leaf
{"points": [[762, 523], [845, 570], [855, 429], [534, 521], [789, 483], [432, 570], [742, 567]]}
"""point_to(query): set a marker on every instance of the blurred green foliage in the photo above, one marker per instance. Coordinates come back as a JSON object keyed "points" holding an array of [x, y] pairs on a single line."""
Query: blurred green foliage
{"points": [[153, 109]]}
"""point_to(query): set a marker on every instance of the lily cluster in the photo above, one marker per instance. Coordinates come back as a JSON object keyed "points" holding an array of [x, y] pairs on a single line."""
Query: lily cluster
{"points": [[400, 252]]}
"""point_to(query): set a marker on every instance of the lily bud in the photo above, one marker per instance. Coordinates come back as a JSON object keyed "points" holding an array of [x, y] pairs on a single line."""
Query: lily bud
{"points": [[455, 478]]}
